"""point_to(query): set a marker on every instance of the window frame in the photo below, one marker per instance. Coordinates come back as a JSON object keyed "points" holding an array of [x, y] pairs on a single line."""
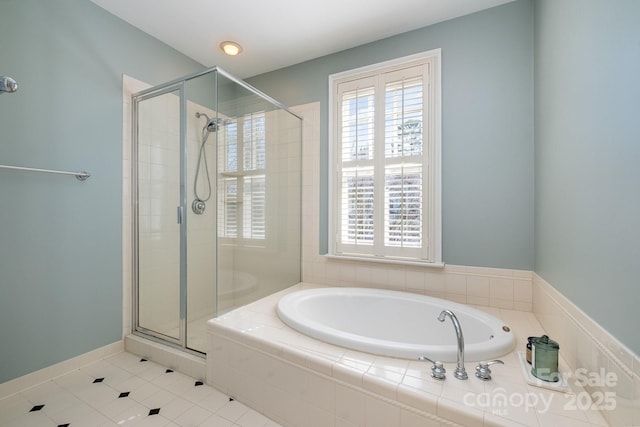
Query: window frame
{"points": [[431, 167]]}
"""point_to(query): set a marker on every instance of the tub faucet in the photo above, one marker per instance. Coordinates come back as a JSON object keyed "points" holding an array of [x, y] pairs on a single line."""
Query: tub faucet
{"points": [[460, 373]]}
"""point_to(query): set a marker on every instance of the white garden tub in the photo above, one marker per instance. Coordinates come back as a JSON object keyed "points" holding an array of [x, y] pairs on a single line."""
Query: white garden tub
{"points": [[392, 323]]}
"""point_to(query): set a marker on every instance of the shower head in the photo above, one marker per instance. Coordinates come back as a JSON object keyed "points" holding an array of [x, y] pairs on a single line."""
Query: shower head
{"points": [[7, 84], [212, 124]]}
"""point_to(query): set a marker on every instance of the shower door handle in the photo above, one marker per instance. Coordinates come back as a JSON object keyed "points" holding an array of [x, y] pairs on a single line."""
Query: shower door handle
{"points": [[180, 214]]}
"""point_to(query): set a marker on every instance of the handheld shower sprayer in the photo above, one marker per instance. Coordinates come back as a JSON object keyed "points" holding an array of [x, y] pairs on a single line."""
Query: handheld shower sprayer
{"points": [[199, 203], [212, 123], [7, 84]]}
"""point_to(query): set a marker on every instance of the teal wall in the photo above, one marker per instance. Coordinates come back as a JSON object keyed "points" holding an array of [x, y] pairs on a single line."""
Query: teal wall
{"points": [[487, 127], [587, 153], [60, 240]]}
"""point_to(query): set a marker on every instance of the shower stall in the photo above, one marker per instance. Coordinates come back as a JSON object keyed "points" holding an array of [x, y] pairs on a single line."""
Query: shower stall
{"points": [[216, 203]]}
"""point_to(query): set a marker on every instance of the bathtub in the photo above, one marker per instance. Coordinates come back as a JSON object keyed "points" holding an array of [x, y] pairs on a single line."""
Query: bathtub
{"points": [[393, 323]]}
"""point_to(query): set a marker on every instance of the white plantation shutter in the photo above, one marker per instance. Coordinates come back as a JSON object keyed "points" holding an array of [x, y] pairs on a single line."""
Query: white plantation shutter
{"points": [[228, 183], [228, 201], [403, 206], [242, 186], [254, 141], [357, 206], [254, 182], [253, 210], [404, 111], [386, 191], [357, 140]]}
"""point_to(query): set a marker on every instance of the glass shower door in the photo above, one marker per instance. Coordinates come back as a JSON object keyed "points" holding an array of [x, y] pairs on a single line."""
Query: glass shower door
{"points": [[158, 198], [203, 129], [216, 167]]}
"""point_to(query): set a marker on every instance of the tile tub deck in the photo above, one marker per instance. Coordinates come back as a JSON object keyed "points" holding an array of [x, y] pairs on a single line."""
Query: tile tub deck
{"points": [[299, 381]]}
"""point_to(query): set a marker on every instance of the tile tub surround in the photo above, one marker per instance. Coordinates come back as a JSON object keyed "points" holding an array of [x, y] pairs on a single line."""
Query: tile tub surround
{"points": [[298, 381], [488, 287], [586, 345]]}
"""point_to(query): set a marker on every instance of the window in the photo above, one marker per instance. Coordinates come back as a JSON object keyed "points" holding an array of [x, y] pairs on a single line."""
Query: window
{"points": [[385, 161], [242, 186]]}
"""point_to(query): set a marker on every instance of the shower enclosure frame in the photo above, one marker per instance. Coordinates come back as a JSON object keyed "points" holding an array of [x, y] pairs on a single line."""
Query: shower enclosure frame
{"points": [[176, 85], [149, 93]]}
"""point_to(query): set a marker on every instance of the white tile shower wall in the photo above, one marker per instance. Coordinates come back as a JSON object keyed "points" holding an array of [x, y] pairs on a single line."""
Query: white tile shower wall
{"points": [[608, 369], [201, 248], [492, 287], [159, 194]]}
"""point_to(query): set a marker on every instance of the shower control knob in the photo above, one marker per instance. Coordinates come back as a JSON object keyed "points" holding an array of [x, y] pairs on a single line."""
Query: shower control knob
{"points": [[198, 206]]}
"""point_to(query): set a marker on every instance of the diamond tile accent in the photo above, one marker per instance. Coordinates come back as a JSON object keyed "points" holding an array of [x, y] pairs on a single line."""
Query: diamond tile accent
{"points": [[72, 397]]}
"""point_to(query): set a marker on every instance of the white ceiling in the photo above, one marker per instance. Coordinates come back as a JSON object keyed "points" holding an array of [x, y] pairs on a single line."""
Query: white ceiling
{"points": [[278, 33]]}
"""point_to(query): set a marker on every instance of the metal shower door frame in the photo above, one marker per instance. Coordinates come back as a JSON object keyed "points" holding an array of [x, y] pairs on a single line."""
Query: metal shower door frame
{"points": [[181, 217]]}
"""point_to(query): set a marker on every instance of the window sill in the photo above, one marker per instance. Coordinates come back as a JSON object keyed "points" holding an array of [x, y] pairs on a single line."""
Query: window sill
{"points": [[386, 261]]}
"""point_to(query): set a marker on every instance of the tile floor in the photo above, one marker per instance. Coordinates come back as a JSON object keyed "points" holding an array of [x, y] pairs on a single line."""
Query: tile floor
{"points": [[125, 390]]}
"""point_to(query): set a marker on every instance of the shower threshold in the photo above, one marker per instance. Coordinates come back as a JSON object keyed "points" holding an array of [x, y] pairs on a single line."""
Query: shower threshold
{"points": [[189, 363]]}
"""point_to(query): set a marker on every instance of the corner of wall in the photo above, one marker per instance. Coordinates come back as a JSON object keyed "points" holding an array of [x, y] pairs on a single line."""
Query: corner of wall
{"points": [[608, 370], [47, 374]]}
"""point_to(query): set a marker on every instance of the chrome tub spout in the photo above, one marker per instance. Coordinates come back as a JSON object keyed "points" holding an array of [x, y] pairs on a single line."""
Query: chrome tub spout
{"points": [[460, 373]]}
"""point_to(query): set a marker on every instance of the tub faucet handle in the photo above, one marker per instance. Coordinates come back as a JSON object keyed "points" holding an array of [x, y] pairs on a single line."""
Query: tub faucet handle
{"points": [[482, 370], [437, 370]]}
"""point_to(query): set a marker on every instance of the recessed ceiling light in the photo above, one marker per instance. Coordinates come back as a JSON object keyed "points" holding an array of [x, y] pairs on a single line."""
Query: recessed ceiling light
{"points": [[231, 48]]}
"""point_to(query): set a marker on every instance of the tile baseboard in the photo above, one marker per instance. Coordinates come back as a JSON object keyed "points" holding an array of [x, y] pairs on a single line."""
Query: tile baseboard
{"points": [[47, 374]]}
